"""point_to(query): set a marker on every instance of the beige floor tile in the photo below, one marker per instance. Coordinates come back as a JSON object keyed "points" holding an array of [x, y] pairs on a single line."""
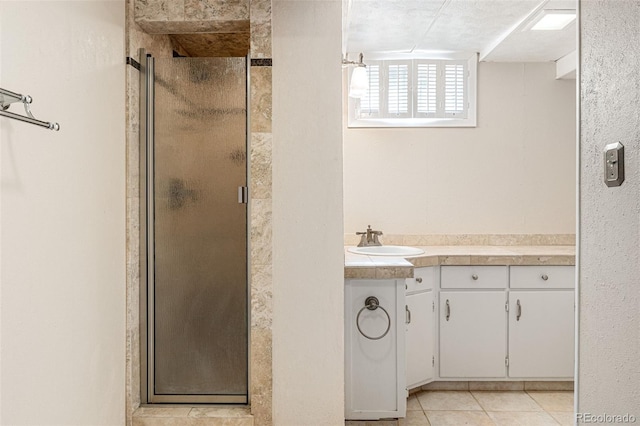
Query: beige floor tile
{"points": [[459, 418], [448, 400], [563, 417], [496, 386], [522, 418], [442, 386], [414, 418], [413, 404], [553, 401], [506, 401], [549, 386], [371, 423]]}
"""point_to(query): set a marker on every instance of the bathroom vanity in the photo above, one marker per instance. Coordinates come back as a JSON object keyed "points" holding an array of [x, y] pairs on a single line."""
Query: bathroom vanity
{"points": [[375, 349], [455, 314]]}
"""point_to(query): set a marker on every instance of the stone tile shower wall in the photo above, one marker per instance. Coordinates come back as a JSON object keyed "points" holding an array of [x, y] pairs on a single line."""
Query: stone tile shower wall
{"points": [[149, 23], [260, 206], [160, 46]]}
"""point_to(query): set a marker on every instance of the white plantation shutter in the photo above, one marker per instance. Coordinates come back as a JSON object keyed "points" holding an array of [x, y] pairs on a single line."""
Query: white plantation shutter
{"points": [[418, 89], [426, 89], [370, 102], [398, 89], [454, 89]]}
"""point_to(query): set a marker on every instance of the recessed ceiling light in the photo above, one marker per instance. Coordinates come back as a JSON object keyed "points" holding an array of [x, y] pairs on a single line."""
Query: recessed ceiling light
{"points": [[553, 20]]}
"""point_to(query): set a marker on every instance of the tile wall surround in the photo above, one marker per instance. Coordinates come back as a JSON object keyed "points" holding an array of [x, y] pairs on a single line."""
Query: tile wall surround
{"points": [[149, 23], [260, 17], [261, 223], [210, 27], [160, 45], [471, 239], [179, 16], [193, 27], [215, 44]]}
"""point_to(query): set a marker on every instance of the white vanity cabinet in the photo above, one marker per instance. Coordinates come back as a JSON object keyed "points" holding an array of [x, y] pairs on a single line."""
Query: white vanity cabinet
{"points": [[506, 322], [374, 349], [541, 322], [458, 323], [420, 326], [472, 334], [473, 321]]}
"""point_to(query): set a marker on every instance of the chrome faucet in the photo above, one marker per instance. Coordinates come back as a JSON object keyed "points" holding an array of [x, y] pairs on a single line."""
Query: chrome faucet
{"points": [[369, 238]]}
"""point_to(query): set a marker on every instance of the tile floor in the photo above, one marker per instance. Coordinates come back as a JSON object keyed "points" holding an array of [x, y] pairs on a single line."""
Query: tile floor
{"points": [[479, 408]]}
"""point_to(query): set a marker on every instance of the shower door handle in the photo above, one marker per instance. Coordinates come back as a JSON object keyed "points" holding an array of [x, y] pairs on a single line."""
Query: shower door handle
{"points": [[243, 195]]}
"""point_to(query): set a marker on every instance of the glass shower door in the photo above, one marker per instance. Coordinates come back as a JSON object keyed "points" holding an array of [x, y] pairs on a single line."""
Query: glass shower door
{"points": [[197, 300]]}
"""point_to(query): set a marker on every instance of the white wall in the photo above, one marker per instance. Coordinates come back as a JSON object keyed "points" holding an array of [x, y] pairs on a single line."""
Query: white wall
{"points": [[63, 242], [513, 173], [609, 235], [308, 277]]}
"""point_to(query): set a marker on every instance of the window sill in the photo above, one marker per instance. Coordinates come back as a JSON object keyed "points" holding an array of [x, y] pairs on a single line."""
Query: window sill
{"points": [[412, 122]]}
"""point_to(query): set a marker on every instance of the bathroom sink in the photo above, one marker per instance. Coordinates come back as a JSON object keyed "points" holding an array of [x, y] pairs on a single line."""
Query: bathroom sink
{"points": [[386, 250]]}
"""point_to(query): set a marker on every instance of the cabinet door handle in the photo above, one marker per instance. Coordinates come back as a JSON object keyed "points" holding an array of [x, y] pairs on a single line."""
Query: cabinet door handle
{"points": [[407, 315], [519, 310], [544, 277], [447, 310], [475, 277], [419, 280]]}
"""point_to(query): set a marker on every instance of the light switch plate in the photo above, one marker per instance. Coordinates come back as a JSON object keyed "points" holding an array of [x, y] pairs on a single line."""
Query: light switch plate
{"points": [[614, 164]]}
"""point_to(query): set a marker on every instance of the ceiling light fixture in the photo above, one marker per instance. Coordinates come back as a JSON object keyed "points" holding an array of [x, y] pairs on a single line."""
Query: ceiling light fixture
{"points": [[359, 81], [552, 19]]}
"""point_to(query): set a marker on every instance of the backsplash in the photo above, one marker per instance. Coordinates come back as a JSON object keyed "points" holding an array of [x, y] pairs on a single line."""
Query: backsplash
{"points": [[471, 240]]}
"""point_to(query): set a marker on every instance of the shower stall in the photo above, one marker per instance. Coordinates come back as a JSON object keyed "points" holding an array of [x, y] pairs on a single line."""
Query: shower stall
{"points": [[194, 233]]}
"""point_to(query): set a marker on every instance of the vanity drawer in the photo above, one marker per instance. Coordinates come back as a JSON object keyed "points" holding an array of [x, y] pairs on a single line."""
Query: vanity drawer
{"points": [[474, 277], [425, 279], [542, 276]]}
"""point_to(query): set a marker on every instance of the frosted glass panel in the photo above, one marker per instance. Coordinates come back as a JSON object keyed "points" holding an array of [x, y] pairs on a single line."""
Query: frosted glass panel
{"points": [[200, 294]]}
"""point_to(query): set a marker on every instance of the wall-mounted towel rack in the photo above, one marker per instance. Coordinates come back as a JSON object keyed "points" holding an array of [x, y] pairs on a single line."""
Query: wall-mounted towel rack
{"points": [[7, 98]]}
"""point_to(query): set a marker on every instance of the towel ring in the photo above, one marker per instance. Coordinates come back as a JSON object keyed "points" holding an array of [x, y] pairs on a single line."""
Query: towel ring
{"points": [[372, 303]]}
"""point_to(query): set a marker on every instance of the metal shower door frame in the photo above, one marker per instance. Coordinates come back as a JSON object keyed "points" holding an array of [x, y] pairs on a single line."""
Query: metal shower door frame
{"points": [[146, 258]]}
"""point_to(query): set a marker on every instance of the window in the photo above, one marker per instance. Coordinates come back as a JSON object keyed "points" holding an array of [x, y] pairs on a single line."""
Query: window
{"points": [[417, 93]]}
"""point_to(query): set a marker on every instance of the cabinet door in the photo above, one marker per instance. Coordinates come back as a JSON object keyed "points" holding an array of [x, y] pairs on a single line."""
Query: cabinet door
{"points": [[541, 334], [473, 334], [419, 343], [374, 365], [426, 278]]}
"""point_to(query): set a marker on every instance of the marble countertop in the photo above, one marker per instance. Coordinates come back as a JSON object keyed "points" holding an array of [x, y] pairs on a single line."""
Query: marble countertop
{"points": [[380, 267]]}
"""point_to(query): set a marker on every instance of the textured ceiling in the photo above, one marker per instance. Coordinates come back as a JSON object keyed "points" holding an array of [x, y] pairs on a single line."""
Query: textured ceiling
{"points": [[494, 28]]}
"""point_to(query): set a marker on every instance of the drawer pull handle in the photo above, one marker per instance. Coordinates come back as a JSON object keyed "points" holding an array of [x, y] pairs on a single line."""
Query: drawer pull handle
{"points": [[419, 279], [544, 277], [448, 310], [475, 277], [408, 315], [519, 310], [372, 303]]}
